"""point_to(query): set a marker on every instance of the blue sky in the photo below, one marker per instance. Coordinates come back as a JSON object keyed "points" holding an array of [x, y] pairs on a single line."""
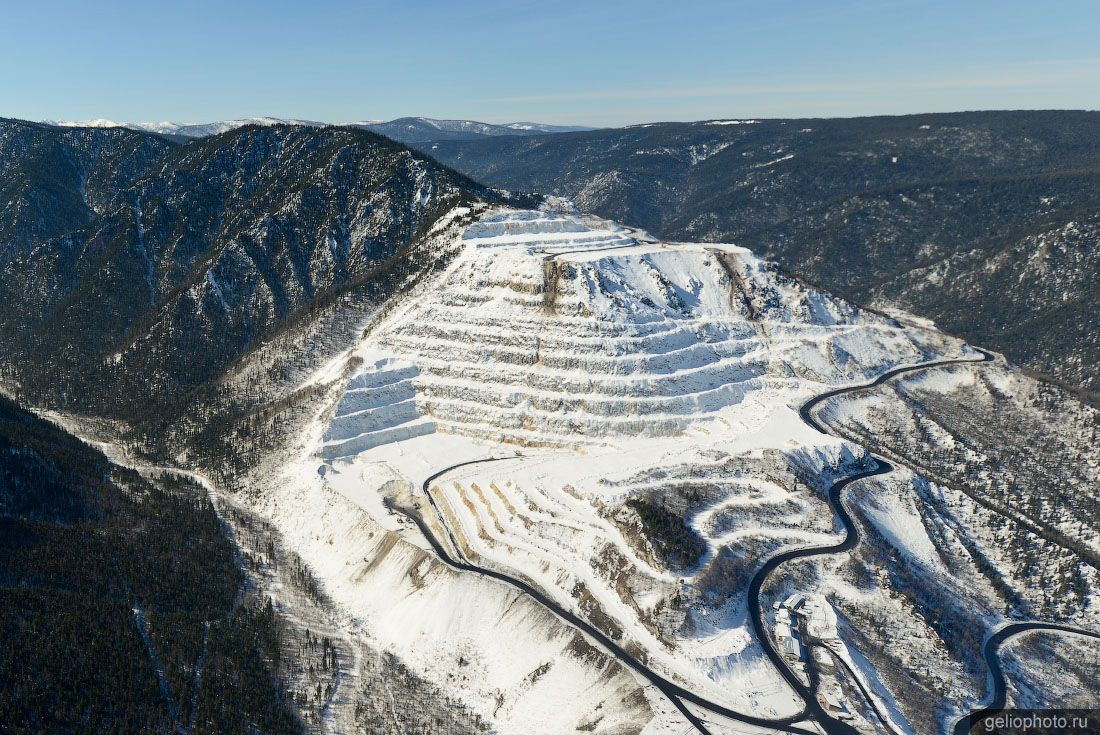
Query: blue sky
{"points": [[596, 63]]}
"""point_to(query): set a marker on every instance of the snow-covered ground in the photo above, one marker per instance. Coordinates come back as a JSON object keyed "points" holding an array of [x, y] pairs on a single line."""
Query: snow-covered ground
{"points": [[559, 331], [603, 368]]}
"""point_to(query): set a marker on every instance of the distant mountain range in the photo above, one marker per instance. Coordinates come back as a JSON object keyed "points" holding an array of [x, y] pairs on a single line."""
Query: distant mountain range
{"points": [[986, 222], [185, 130], [413, 130], [407, 130]]}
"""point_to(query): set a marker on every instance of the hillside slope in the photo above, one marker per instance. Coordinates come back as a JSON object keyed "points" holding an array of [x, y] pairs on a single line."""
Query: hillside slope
{"points": [[54, 180], [122, 607], [224, 242]]}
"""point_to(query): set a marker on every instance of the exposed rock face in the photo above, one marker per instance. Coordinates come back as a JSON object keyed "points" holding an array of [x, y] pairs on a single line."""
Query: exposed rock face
{"points": [[556, 330]]}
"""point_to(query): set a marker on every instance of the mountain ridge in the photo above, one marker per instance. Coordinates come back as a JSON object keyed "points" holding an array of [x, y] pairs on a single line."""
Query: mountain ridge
{"points": [[404, 129], [214, 245]]}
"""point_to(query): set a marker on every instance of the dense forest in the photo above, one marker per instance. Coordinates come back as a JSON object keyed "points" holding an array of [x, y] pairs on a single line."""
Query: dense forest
{"points": [[122, 606], [679, 545]]}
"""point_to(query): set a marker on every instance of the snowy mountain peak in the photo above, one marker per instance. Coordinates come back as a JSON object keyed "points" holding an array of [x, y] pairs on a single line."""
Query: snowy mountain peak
{"points": [[485, 129], [546, 128], [186, 130], [97, 123]]}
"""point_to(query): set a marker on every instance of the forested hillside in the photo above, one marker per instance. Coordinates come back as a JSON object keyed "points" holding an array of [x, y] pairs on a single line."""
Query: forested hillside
{"points": [[55, 180], [164, 265], [122, 608]]}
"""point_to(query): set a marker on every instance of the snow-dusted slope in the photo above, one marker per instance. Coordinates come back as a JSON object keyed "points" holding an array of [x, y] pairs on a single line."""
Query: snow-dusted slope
{"points": [[186, 130], [617, 374]]}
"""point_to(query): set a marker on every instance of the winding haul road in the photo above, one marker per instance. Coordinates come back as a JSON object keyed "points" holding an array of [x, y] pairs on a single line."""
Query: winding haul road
{"points": [[679, 695], [991, 650], [992, 645], [849, 542]]}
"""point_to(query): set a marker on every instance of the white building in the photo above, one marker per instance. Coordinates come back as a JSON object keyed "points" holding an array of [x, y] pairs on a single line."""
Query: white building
{"points": [[794, 601], [820, 618]]}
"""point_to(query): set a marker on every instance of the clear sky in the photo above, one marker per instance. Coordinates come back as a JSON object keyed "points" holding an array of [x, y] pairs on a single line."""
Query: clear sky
{"points": [[601, 62]]}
